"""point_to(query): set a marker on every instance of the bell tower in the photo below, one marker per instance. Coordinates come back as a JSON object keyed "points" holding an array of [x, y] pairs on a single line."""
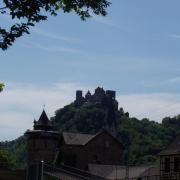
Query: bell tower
{"points": [[42, 141]]}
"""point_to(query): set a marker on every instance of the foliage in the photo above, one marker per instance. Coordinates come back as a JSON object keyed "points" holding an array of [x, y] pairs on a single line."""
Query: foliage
{"points": [[1, 86], [18, 148], [143, 139], [28, 13], [7, 160]]}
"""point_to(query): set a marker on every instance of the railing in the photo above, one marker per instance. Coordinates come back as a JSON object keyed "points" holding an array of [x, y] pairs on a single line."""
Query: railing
{"points": [[154, 177], [70, 171]]}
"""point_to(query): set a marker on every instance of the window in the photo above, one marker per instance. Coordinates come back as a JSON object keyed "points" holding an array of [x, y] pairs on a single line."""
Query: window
{"points": [[176, 164], [45, 144], [107, 144], [167, 165]]}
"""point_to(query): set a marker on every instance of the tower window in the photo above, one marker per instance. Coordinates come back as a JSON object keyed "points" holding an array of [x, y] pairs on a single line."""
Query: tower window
{"points": [[167, 165], [45, 144], [176, 164], [107, 144]]}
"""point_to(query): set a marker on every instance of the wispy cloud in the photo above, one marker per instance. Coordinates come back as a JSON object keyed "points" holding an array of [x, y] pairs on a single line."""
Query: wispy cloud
{"points": [[154, 106], [175, 36], [174, 80], [21, 103], [54, 49], [55, 36], [108, 22], [161, 83]]}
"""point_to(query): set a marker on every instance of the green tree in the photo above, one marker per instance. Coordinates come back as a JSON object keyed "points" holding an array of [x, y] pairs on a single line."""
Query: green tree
{"points": [[1, 86], [29, 12], [7, 160]]}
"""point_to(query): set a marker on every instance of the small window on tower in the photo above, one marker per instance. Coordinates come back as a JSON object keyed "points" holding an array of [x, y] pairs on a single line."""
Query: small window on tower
{"points": [[176, 164], [34, 144], [107, 144], [167, 165], [45, 144]]}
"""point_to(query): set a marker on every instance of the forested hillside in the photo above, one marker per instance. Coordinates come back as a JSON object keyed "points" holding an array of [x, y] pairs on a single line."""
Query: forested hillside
{"points": [[142, 139]]}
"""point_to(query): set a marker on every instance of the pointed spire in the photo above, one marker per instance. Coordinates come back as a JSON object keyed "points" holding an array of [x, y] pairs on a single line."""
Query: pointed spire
{"points": [[43, 123], [43, 118]]}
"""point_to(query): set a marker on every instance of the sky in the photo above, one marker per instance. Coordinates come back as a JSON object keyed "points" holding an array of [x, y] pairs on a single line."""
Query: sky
{"points": [[135, 51]]}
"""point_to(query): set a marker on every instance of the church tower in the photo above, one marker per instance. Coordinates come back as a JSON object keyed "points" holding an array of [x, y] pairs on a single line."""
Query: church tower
{"points": [[42, 141]]}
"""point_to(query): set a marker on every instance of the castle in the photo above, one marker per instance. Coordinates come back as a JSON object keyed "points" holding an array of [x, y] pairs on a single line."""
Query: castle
{"points": [[107, 99], [99, 96]]}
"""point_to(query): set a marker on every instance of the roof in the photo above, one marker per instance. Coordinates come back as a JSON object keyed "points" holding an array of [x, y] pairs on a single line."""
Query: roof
{"points": [[173, 148], [76, 138], [43, 123], [84, 139], [120, 172]]}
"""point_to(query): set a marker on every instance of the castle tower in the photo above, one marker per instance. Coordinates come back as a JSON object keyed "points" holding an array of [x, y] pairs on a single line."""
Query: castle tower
{"points": [[111, 94], [79, 98], [99, 94], [88, 96], [42, 141]]}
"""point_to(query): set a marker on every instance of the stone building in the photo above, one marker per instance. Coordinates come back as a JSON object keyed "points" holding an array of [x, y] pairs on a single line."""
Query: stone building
{"points": [[108, 101], [79, 150], [170, 161], [99, 96]]}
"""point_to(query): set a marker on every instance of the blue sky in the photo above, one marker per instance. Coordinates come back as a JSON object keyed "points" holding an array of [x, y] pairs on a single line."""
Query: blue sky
{"points": [[135, 50]]}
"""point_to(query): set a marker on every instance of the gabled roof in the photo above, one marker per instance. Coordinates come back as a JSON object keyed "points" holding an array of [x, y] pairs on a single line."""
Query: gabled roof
{"points": [[84, 139], [173, 148], [43, 123], [76, 138]]}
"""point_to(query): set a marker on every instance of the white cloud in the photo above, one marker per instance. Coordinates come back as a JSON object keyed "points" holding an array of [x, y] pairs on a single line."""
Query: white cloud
{"points": [[55, 36], [110, 23], [154, 106], [21, 103], [54, 49], [175, 36], [174, 80]]}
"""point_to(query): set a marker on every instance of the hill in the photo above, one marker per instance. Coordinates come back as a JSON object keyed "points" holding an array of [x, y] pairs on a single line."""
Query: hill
{"points": [[142, 139]]}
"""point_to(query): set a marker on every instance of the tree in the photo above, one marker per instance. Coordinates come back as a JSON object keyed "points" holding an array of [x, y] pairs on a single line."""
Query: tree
{"points": [[29, 12], [7, 160], [1, 86]]}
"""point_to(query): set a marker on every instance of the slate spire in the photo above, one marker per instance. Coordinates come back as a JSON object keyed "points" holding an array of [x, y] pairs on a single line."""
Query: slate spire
{"points": [[43, 123]]}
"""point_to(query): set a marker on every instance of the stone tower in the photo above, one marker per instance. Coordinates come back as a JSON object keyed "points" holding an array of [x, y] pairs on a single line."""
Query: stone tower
{"points": [[42, 145]]}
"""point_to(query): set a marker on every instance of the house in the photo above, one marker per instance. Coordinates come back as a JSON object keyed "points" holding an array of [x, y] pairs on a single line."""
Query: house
{"points": [[79, 150], [170, 161]]}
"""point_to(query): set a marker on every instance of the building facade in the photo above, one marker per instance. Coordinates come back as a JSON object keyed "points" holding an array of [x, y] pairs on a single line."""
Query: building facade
{"points": [[79, 150], [170, 161]]}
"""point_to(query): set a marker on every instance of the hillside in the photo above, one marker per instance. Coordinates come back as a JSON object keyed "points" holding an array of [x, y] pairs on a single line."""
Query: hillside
{"points": [[142, 139]]}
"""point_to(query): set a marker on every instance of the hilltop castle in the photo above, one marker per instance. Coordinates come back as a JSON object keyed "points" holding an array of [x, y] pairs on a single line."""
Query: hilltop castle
{"points": [[99, 96]]}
